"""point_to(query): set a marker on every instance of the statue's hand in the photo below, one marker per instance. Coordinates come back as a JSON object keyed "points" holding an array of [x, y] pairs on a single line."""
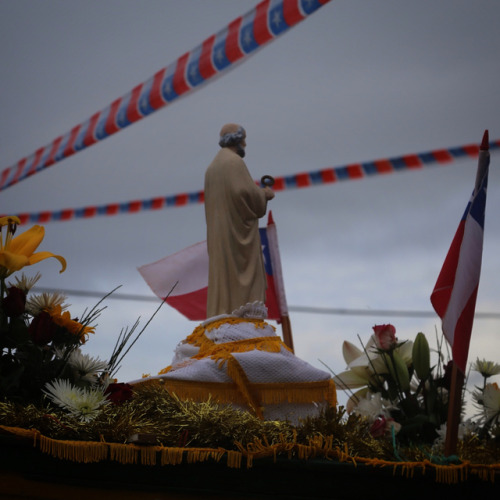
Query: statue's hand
{"points": [[269, 193]]}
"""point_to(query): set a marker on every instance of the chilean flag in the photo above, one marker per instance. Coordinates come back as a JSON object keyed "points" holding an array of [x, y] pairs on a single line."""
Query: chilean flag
{"points": [[454, 295], [188, 271]]}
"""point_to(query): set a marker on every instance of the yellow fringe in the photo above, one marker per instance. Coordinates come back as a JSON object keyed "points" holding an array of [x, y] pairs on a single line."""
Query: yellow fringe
{"points": [[234, 459], [301, 392], [124, 453], [236, 372], [265, 394], [318, 446], [196, 455], [171, 456], [74, 451], [149, 454], [86, 452]]}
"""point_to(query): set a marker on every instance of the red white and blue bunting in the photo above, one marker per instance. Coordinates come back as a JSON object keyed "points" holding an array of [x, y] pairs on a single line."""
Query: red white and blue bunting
{"points": [[237, 41], [302, 180]]}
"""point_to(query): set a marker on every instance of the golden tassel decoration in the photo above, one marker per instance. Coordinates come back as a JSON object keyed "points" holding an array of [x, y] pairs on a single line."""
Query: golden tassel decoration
{"points": [[75, 451], [149, 454], [234, 459], [126, 454], [171, 456]]}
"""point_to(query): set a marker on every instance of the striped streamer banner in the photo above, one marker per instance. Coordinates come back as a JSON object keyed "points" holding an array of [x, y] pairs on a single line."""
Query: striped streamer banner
{"points": [[302, 180], [237, 41]]}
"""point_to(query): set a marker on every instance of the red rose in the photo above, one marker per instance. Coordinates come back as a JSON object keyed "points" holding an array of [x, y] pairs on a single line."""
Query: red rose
{"points": [[42, 329], [14, 303], [385, 337], [119, 392]]}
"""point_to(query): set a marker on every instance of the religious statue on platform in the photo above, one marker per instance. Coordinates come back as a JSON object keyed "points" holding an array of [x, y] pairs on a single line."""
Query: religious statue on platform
{"points": [[233, 206], [235, 357]]}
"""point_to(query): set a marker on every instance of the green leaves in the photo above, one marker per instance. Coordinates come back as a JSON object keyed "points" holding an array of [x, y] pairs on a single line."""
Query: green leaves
{"points": [[421, 356], [399, 371]]}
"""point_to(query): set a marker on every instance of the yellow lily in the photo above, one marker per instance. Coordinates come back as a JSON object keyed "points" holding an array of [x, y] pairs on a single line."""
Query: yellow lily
{"points": [[18, 252]]}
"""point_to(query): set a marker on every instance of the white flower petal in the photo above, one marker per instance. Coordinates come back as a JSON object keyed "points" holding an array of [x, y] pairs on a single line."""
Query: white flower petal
{"points": [[362, 360], [350, 352], [486, 368], [86, 365], [350, 379], [81, 403]]}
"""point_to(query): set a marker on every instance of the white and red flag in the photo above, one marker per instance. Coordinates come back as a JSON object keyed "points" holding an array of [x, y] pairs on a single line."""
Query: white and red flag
{"points": [[454, 295], [189, 269]]}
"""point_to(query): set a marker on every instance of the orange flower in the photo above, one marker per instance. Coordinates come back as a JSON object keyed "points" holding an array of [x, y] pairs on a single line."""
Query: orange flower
{"points": [[63, 318]]}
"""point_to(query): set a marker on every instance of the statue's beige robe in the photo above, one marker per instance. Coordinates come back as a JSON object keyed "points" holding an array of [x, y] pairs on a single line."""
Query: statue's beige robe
{"points": [[233, 205]]}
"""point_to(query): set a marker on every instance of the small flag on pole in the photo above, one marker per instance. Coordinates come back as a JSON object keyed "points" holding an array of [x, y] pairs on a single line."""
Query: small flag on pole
{"points": [[189, 269], [454, 295]]}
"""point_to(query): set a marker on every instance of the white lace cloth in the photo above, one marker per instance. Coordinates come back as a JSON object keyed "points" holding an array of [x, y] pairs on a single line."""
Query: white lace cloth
{"points": [[260, 367]]}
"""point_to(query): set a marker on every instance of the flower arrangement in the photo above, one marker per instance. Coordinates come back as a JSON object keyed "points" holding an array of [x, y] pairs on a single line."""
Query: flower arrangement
{"points": [[402, 391], [398, 389], [40, 342]]}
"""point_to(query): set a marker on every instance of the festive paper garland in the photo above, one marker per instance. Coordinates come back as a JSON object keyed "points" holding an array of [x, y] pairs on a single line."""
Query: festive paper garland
{"points": [[237, 41], [301, 180]]}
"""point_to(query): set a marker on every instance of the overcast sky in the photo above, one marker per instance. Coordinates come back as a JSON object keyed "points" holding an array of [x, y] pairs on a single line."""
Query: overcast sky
{"points": [[356, 81]]}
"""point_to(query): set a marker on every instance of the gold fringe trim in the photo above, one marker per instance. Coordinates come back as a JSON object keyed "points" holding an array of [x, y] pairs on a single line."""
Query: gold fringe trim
{"points": [[236, 372], [267, 394], [234, 459], [171, 456], [74, 451], [317, 447], [301, 392]]}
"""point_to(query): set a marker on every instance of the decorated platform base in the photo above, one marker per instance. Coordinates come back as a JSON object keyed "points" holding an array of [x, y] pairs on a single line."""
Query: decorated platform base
{"points": [[37, 467], [243, 362], [205, 450]]}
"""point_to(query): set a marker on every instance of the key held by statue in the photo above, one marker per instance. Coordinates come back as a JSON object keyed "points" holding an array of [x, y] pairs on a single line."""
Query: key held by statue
{"points": [[267, 180]]}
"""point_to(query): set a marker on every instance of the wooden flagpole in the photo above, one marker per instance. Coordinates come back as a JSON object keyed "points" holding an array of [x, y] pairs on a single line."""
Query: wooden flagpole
{"points": [[286, 330], [454, 410]]}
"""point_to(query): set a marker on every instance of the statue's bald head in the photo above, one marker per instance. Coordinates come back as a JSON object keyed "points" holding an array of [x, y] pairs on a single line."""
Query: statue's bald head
{"points": [[230, 128], [233, 135]]}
